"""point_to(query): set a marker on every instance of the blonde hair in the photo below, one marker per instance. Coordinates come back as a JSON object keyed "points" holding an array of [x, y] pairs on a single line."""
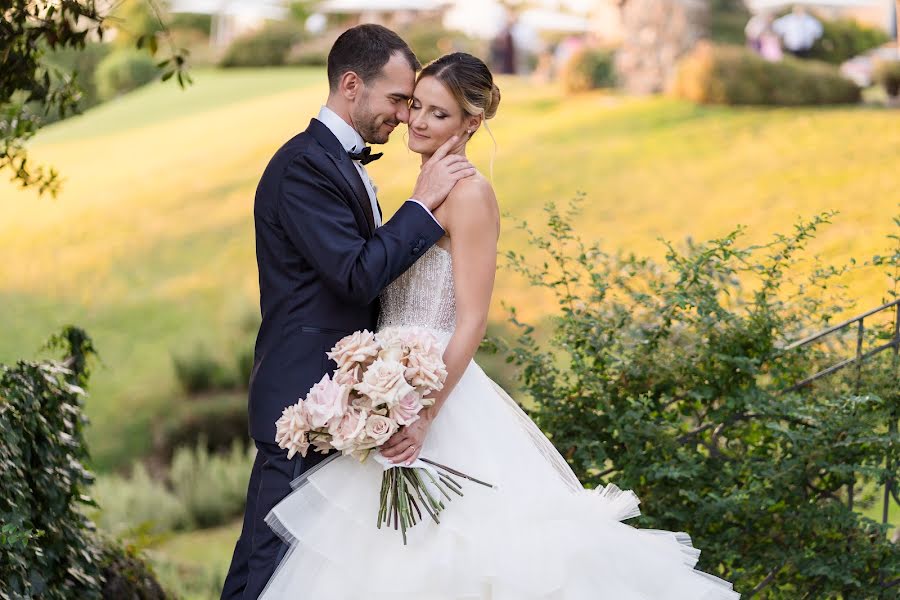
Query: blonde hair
{"points": [[471, 84]]}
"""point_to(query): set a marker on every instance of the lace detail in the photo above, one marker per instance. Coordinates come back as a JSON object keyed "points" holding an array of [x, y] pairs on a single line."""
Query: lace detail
{"points": [[423, 295]]}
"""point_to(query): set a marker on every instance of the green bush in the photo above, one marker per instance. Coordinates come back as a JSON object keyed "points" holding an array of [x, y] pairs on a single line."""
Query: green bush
{"points": [[430, 40], [83, 62], [126, 575], [48, 548], [201, 371], [735, 75], [219, 420], [267, 47], [842, 39], [139, 502], [124, 71], [887, 73], [212, 487], [588, 70], [667, 378], [201, 489], [195, 21]]}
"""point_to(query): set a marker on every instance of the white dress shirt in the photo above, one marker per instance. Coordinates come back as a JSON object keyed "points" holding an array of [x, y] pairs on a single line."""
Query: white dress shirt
{"points": [[353, 142]]}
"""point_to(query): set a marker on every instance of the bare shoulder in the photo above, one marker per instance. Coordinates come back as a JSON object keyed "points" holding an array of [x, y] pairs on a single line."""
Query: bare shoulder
{"points": [[473, 197]]}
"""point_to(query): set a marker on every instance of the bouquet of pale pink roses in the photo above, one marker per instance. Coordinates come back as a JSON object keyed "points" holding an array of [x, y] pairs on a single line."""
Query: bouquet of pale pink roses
{"points": [[381, 383]]}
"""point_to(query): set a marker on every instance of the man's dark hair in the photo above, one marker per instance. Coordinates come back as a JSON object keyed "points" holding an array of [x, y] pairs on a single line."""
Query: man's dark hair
{"points": [[365, 49]]}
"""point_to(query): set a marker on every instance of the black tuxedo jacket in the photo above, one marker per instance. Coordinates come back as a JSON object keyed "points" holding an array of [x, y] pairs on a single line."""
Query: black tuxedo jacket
{"points": [[322, 265]]}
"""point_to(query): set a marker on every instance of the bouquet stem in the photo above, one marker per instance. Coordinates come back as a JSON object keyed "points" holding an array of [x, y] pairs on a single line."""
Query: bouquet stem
{"points": [[400, 486]]}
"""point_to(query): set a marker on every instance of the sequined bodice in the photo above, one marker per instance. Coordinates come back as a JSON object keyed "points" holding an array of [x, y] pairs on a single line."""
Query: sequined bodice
{"points": [[423, 295]]}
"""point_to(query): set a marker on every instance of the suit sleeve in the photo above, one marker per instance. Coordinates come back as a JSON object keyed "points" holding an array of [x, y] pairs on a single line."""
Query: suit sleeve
{"points": [[320, 225]]}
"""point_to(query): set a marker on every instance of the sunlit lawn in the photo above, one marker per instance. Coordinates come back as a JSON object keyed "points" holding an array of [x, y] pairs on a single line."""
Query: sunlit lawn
{"points": [[150, 245]]}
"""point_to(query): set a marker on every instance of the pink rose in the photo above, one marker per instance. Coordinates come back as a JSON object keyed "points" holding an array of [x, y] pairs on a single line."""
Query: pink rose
{"points": [[380, 428], [327, 400], [291, 430], [350, 377], [384, 383], [349, 430], [406, 412], [358, 348], [425, 372]]}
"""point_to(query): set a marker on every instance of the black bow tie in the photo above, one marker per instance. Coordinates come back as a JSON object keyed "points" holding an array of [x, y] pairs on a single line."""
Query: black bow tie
{"points": [[365, 155]]}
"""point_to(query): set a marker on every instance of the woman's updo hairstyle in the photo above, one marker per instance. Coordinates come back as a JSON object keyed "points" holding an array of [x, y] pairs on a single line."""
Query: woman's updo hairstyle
{"points": [[469, 81]]}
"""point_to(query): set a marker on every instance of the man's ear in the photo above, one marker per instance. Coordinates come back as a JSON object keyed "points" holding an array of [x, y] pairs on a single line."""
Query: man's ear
{"points": [[350, 85]]}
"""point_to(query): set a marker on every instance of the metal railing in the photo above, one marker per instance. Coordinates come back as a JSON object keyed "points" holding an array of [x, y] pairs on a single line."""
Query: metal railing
{"points": [[890, 487]]}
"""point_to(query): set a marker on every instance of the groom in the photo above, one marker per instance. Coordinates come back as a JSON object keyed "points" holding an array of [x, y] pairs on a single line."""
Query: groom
{"points": [[324, 257]]}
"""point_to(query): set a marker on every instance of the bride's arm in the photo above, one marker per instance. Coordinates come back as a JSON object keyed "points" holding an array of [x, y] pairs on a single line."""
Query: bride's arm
{"points": [[474, 229], [472, 219]]}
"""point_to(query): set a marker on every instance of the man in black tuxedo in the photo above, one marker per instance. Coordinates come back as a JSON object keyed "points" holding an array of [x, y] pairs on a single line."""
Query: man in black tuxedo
{"points": [[324, 257]]}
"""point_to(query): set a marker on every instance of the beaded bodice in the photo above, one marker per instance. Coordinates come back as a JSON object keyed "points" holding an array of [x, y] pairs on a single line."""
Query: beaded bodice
{"points": [[423, 295]]}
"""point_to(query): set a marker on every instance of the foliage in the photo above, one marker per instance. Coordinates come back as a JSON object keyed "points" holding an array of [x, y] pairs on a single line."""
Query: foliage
{"points": [[82, 64], [666, 378], [842, 39], [267, 47], [126, 505], [217, 420], [429, 40], [47, 548], [134, 20], [126, 574], [589, 69], [727, 21], [887, 73], [212, 487], [201, 489], [30, 29], [123, 71], [735, 75], [201, 371], [195, 21]]}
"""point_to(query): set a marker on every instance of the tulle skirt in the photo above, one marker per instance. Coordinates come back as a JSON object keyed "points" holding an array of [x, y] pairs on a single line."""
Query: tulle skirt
{"points": [[538, 535]]}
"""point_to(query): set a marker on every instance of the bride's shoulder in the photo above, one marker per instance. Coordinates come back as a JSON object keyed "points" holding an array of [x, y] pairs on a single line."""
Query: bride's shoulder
{"points": [[472, 193]]}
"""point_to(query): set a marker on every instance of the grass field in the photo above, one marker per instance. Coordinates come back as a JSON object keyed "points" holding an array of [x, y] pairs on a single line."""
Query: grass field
{"points": [[150, 245]]}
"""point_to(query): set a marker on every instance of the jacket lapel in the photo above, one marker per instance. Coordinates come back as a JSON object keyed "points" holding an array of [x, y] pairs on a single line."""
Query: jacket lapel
{"points": [[345, 166]]}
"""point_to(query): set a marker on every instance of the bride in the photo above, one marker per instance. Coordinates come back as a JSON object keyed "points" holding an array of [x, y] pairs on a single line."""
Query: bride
{"points": [[538, 533]]}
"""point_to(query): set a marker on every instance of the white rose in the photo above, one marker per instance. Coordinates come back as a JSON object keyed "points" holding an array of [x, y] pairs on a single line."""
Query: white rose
{"points": [[384, 383], [380, 428]]}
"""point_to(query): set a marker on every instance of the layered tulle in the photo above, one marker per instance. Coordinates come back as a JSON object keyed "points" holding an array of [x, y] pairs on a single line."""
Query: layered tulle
{"points": [[539, 535]]}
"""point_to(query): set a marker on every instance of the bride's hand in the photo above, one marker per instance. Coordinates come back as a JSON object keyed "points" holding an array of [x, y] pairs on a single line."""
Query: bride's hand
{"points": [[404, 446]]}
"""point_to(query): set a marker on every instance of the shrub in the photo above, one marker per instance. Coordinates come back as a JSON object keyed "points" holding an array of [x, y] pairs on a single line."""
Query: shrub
{"points": [[734, 75], [126, 575], [47, 545], [588, 69], [887, 73], [124, 71], [201, 371], [667, 378], [267, 47], [83, 62], [212, 487], [218, 420], [128, 504], [842, 39], [430, 40]]}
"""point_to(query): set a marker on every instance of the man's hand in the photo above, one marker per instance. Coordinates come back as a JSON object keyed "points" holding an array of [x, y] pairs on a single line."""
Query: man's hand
{"points": [[439, 174]]}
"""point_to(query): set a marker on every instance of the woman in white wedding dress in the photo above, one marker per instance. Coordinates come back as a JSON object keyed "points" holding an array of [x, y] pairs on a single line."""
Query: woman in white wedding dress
{"points": [[539, 534]]}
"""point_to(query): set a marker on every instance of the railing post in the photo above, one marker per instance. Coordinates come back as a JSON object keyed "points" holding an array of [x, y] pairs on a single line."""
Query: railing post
{"points": [[892, 427]]}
